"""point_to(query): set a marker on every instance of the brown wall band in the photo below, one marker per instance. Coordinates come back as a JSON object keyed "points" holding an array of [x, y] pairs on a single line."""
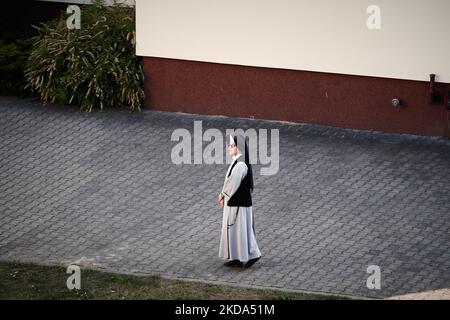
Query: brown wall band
{"points": [[347, 101]]}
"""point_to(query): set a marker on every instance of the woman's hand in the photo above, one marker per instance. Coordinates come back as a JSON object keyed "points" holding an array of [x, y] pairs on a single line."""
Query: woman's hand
{"points": [[221, 200]]}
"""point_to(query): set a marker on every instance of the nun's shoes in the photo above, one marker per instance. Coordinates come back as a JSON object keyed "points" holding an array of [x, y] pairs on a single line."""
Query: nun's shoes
{"points": [[251, 262], [233, 263]]}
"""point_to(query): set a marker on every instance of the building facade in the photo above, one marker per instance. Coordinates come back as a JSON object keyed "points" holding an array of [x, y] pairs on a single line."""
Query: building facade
{"points": [[347, 63]]}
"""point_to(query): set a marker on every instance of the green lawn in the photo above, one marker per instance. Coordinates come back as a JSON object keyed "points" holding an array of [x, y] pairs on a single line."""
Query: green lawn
{"points": [[29, 281]]}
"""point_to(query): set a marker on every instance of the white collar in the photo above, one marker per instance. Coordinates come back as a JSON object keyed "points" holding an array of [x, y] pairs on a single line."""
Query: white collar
{"points": [[236, 156]]}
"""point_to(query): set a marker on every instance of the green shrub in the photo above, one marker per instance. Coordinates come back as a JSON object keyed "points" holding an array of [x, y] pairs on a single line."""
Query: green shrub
{"points": [[13, 57], [94, 66]]}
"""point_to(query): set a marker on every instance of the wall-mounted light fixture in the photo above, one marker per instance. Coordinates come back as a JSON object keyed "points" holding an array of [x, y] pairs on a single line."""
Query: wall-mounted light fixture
{"points": [[448, 98], [435, 96], [396, 102]]}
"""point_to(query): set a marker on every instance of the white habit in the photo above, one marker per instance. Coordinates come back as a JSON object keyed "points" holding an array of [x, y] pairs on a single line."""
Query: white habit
{"points": [[238, 241]]}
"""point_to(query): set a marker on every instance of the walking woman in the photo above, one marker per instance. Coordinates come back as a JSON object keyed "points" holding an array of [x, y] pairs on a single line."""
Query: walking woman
{"points": [[238, 242]]}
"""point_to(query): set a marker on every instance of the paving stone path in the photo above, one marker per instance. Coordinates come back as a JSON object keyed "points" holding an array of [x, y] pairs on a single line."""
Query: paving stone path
{"points": [[99, 189]]}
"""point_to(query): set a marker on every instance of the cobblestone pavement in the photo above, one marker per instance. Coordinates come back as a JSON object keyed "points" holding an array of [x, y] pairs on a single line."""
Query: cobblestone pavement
{"points": [[99, 189]]}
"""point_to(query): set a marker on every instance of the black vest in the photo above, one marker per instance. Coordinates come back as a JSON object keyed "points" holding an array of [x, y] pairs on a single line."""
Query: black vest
{"points": [[242, 197]]}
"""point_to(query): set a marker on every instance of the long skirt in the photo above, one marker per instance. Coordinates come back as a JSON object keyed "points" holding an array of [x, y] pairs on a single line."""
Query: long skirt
{"points": [[238, 240]]}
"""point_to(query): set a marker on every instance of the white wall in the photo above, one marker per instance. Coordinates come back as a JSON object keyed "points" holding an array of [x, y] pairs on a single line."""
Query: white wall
{"points": [[322, 35]]}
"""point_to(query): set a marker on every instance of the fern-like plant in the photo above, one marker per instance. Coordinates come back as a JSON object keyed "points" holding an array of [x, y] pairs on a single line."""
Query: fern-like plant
{"points": [[94, 66]]}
